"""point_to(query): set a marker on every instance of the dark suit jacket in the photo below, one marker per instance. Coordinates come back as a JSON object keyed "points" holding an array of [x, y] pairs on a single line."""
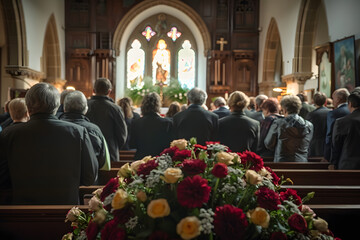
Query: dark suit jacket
{"points": [[239, 132], [257, 115], [96, 136], [222, 112], [196, 122], [110, 119], [40, 173], [305, 110], [339, 112], [150, 135], [345, 151], [318, 119], [264, 129]]}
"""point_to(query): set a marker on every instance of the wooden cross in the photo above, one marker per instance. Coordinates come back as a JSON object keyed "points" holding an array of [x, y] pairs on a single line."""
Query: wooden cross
{"points": [[222, 43]]}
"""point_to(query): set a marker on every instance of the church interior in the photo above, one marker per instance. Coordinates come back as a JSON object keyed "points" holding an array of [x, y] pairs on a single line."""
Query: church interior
{"points": [[259, 47]]}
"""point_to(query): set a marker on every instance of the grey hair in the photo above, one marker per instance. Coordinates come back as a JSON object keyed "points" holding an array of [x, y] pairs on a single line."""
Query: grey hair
{"points": [[42, 98], [219, 101], [342, 94], [291, 103], [196, 96], [75, 102], [260, 99]]}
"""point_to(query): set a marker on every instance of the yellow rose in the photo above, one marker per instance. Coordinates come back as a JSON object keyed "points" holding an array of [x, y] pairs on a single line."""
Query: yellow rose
{"points": [[180, 144], [189, 228], [125, 171], [226, 158], [141, 196], [68, 236], [120, 199], [135, 165], [100, 217], [253, 177], [260, 217], [158, 208], [97, 192], [321, 225], [148, 158], [94, 204], [73, 214], [265, 173], [172, 175]]}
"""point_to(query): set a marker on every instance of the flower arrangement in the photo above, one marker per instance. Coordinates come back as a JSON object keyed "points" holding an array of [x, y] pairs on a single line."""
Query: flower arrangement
{"points": [[192, 191]]}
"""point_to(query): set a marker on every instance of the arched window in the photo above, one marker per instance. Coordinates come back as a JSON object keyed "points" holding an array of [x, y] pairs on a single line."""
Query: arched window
{"points": [[135, 65], [161, 63], [186, 66]]}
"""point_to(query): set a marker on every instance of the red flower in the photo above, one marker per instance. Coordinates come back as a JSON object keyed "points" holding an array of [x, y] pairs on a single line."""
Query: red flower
{"points": [[193, 166], [193, 191], [290, 195], [252, 159], [275, 177], [229, 222], [171, 151], [220, 170], [211, 143], [92, 231], [278, 236], [146, 168], [158, 235], [198, 146], [109, 188], [122, 215], [180, 155], [112, 232], [297, 223], [267, 198]]}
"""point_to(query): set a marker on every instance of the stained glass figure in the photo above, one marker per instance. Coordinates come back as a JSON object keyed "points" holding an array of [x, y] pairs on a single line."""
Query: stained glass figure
{"points": [[161, 63], [135, 65], [186, 66], [174, 34], [148, 33]]}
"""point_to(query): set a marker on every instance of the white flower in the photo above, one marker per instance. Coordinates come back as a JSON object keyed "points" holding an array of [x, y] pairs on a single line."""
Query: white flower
{"points": [[73, 214], [94, 204], [175, 95], [132, 223], [109, 199], [206, 216]]}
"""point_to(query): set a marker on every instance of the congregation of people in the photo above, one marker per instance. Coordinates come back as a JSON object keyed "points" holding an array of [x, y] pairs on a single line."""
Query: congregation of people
{"points": [[58, 142]]}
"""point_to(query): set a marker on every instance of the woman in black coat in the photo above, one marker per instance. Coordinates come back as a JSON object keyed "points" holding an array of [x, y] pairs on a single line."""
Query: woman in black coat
{"points": [[238, 131], [151, 134]]}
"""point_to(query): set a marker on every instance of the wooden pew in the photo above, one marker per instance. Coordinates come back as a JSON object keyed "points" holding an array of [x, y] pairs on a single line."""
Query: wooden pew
{"points": [[127, 155], [297, 165], [310, 159], [34, 221], [120, 163]]}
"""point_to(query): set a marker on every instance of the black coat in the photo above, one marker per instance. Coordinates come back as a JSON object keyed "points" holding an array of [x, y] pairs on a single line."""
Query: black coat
{"points": [[239, 132], [345, 152], [318, 119], [150, 135], [47, 159], [109, 118], [96, 136], [222, 112], [196, 122]]}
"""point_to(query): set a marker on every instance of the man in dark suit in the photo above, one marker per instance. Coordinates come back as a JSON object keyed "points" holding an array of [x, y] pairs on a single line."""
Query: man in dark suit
{"points": [[75, 106], [340, 110], [108, 116], [305, 107], [318, 119], [345, 154], [40, 173], [258, 114], [196, 121], [221, 110]]}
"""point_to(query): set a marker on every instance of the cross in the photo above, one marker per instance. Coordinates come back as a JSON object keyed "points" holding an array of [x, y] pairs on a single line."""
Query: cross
{"points": [[222, 43]]}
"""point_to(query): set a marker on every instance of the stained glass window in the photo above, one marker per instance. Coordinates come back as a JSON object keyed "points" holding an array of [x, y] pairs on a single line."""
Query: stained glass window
{"points": [[186, 66], [135, 65], [161, 63], [148, 33], [174, 34]]}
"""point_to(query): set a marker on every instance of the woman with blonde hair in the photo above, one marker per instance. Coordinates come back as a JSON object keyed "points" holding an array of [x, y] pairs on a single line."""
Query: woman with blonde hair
{"points": [[238, 131]]}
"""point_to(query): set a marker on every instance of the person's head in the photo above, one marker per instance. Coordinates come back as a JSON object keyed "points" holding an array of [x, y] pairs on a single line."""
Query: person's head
{"points": [[329, 103], [290, 104], [150, 103], [219, 102], [75, 102], [259, 100], [354, 100], [340, 96], [238, 101], [251, 103], [196, 96], [125, 104], [18, 110], [319, 99], [270, 106], [42, 98], [63, 95], [301, 96], [173, 109], [102, 87], [183, 107]]}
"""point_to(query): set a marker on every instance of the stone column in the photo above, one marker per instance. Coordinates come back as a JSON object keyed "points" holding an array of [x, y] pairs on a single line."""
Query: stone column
{"points": [[295, 81]]}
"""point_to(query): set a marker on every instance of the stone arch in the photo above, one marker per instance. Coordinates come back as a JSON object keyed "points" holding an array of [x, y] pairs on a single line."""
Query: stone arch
{"points": [[272, 67], [146, 9], [51, 61]]}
